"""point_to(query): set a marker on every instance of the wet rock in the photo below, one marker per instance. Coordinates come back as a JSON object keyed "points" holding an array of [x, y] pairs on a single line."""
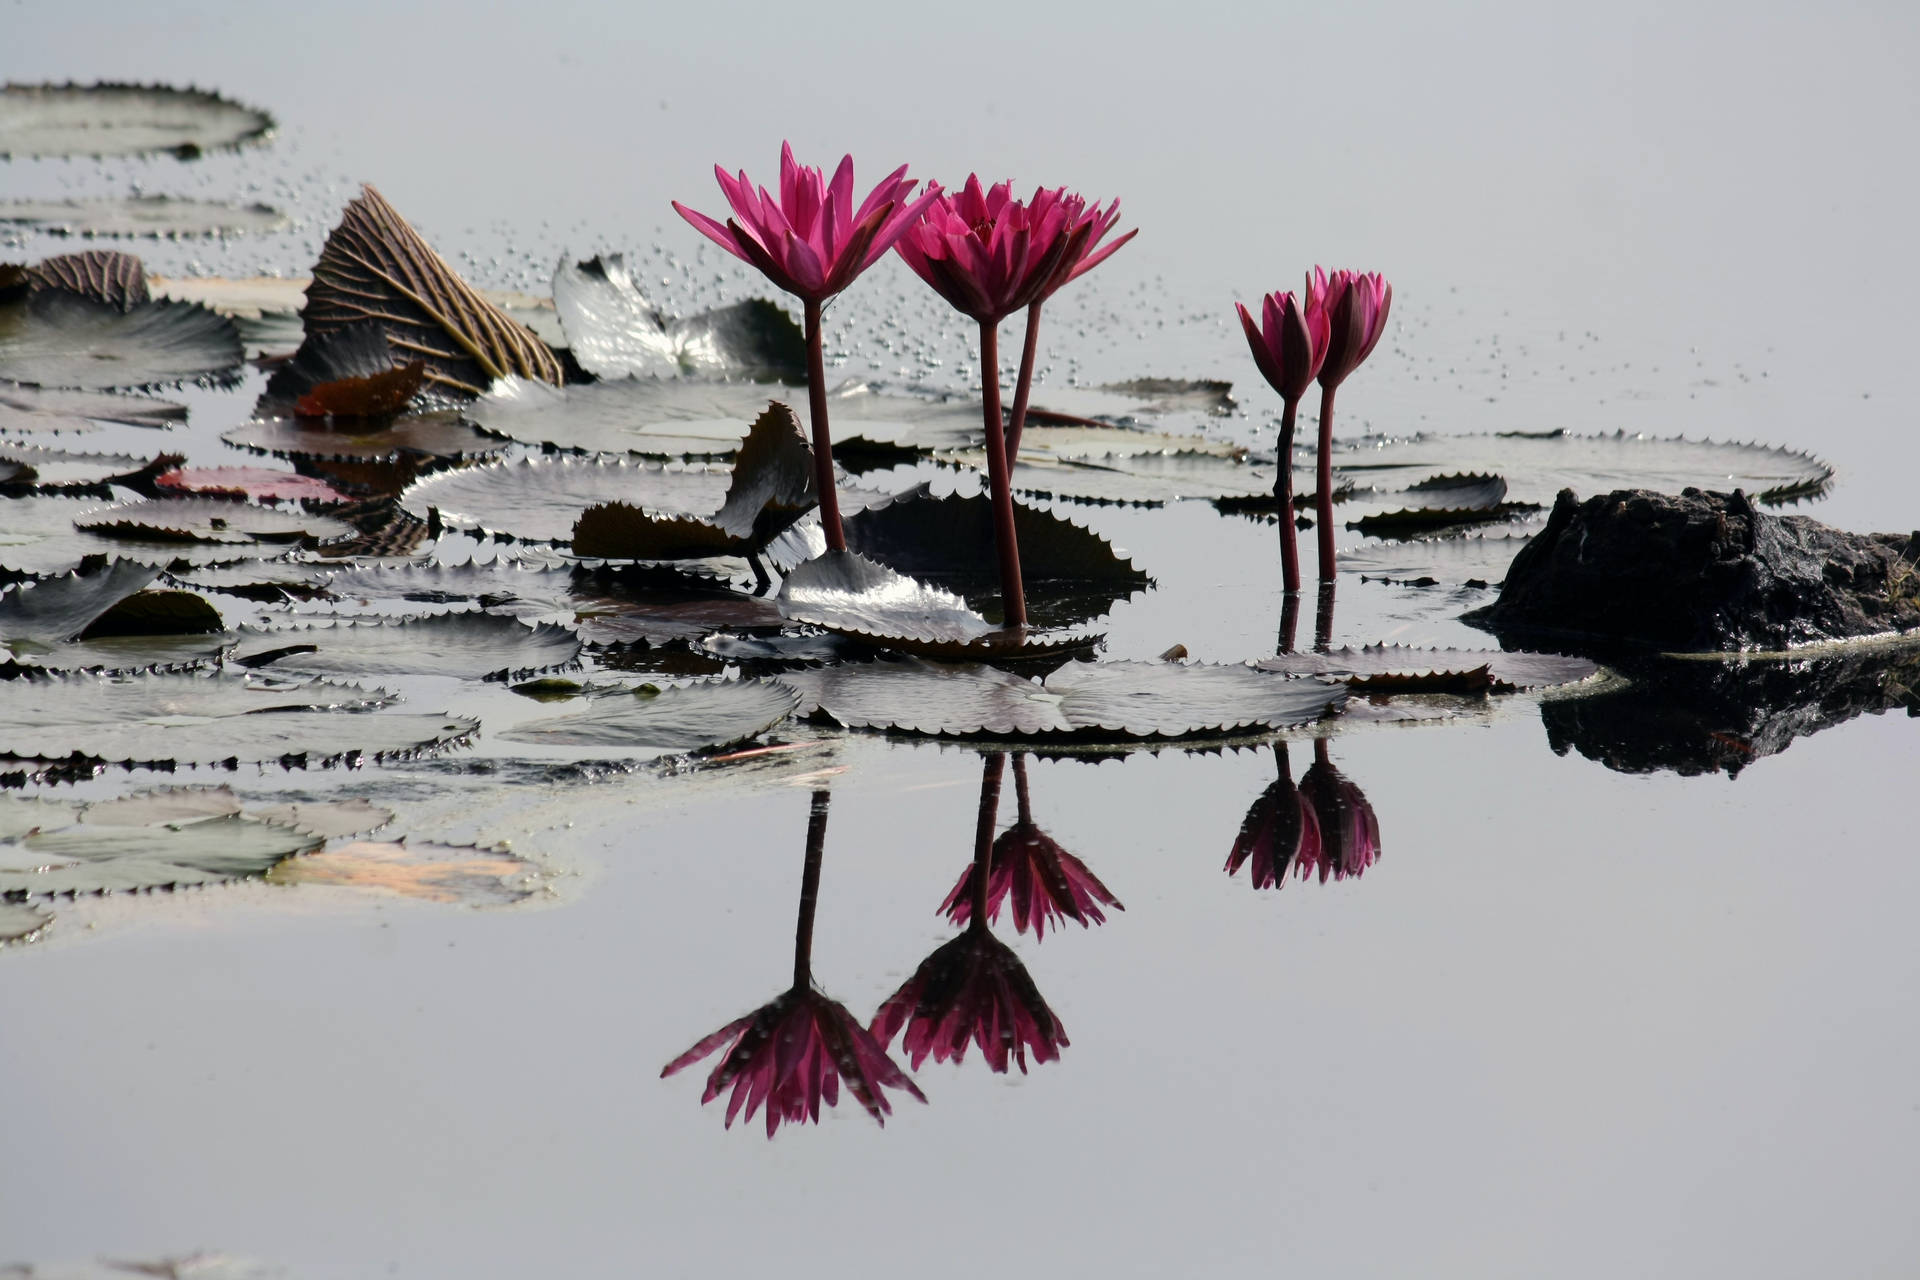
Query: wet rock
{"points": [[1702, 571]]}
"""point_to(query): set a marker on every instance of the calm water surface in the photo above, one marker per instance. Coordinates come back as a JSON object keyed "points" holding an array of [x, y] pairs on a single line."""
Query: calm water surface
{"points": [[1575, 1022]]}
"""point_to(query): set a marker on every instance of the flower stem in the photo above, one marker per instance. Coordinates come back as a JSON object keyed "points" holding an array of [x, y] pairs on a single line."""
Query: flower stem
{"points": [[1022, 797], [1324, 507], [990, 772], [1320, 753], [1283, 494], [1289, 620], [810, 890], [1013, 596], [829, 497], [1280, 762], [1024, 387], [1323, 618]]}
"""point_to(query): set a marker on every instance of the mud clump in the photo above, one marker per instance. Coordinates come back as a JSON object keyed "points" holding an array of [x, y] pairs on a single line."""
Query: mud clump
{"points": [[1703, 571]]}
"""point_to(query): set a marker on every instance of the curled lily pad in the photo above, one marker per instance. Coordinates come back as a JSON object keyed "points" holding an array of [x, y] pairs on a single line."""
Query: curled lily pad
{"points": [[156, 613], [538, 499], [347, 373], [1394, 666], [614, 332], [1082, 700], [60, 608], [93, 858], [1537, 465], [430, 435], [692, 717], [375, 267], [212, 520], [771, 486], [122, 120], [256, 484], [471, 646], [169, 217], [461, 874], [117, 279], [25, 408], [204, 718], [59, 339], [20, 922]]}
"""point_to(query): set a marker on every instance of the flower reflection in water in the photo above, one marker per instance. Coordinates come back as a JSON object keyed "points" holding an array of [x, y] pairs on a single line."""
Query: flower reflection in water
{"points": [[1349, 833], [1279, 832], [1047, 883], [791, 1053], [974, 988]]}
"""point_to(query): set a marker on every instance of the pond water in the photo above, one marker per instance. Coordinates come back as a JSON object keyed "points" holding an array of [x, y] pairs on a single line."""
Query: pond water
{"points": [[1577, 1020]]}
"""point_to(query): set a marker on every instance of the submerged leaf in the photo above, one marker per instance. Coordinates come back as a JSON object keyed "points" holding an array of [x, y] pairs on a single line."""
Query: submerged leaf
{"points": [[375, 267], [614, 332], [59, 339], [471, 646], [1082, 700], [117, 279], [692, 717], [122, 120], [460, 874]]}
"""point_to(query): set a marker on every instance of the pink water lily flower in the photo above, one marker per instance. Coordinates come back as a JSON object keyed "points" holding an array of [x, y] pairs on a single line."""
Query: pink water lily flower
{"points": [[1349, 831], [812, 241], [1289, 347], [972, 990], [1048, 885], [1356, 304], [790, 1056], [989, 254], [1280, 831]]}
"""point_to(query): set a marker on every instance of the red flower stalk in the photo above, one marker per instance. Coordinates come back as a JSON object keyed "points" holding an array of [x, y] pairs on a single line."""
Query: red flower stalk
{"points": [[1279, 831], [813, 242], [1289, 346], [791, 1053], [974, 988], [1047, 883], [1356, 306], [1349, 832]]}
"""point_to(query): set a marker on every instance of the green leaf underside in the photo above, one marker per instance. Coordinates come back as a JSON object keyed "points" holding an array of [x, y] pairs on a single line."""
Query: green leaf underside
{"points": [[693, 717]]}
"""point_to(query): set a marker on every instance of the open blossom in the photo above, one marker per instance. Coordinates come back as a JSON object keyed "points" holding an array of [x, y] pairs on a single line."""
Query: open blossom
{"points": [[991, 255], [1355, 304], [1349, 832], [811, 241], [1289, 343], [791, 1054], [1086, 252], [1280, 831], [1047, 884], [973, 989]]}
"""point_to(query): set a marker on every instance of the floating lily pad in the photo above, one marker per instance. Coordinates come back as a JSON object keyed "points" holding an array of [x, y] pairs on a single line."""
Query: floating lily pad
{"points": [[432, 435], [614, 332], [24, 815], [455, 874], [59, 339], [376, 268], [117, 279], [693, 717], [772, 485], [617, 607], [1436, 504], [471, 646], [247, 483], [1462, 557], [46, 469], [22, 923], [38, 538], [847, 592], [538, 499], [93, 858], [212, 520], [1410, 669], [328, 819], [50, 409], [122, 120], [1146, 479], [60, 608], [168, 217], [1537, 466], [1108, 700]]}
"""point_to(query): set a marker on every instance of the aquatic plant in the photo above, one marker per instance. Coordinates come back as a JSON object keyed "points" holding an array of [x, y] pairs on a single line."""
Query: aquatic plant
{"points": [[813, 243], [1280, 831], [1349, 831], [1047, 884], [1289, 346], [1355, 305]]}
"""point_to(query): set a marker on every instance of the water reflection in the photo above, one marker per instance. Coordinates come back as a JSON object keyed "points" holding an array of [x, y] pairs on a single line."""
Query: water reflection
{"points": [[1047, 884], [790, 1054], [1324, 825], [974, 989]]}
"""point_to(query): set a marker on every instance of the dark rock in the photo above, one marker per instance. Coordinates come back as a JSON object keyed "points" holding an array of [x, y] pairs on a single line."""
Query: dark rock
{"points": [[1702, 571]]}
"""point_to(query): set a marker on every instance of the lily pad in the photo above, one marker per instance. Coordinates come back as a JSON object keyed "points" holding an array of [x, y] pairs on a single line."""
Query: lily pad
{"points": [[59, 339], [168, 217], [432, 435], [1537, 465], [454, 874], [1113, 701], [1436, 504], [614, 332], [92, 858], [847, 592], [471, 646], [117, 279], [22, 923], [38, 538], [328, 819], [207, 718], [376, 268], [1146, 479], [46, 469], [692, 717], [122, 120], [47, 409], [256, 484], [538, 499], [615, 606], [61, 608], [1379, 666], [348, 373], [212, 520]]}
